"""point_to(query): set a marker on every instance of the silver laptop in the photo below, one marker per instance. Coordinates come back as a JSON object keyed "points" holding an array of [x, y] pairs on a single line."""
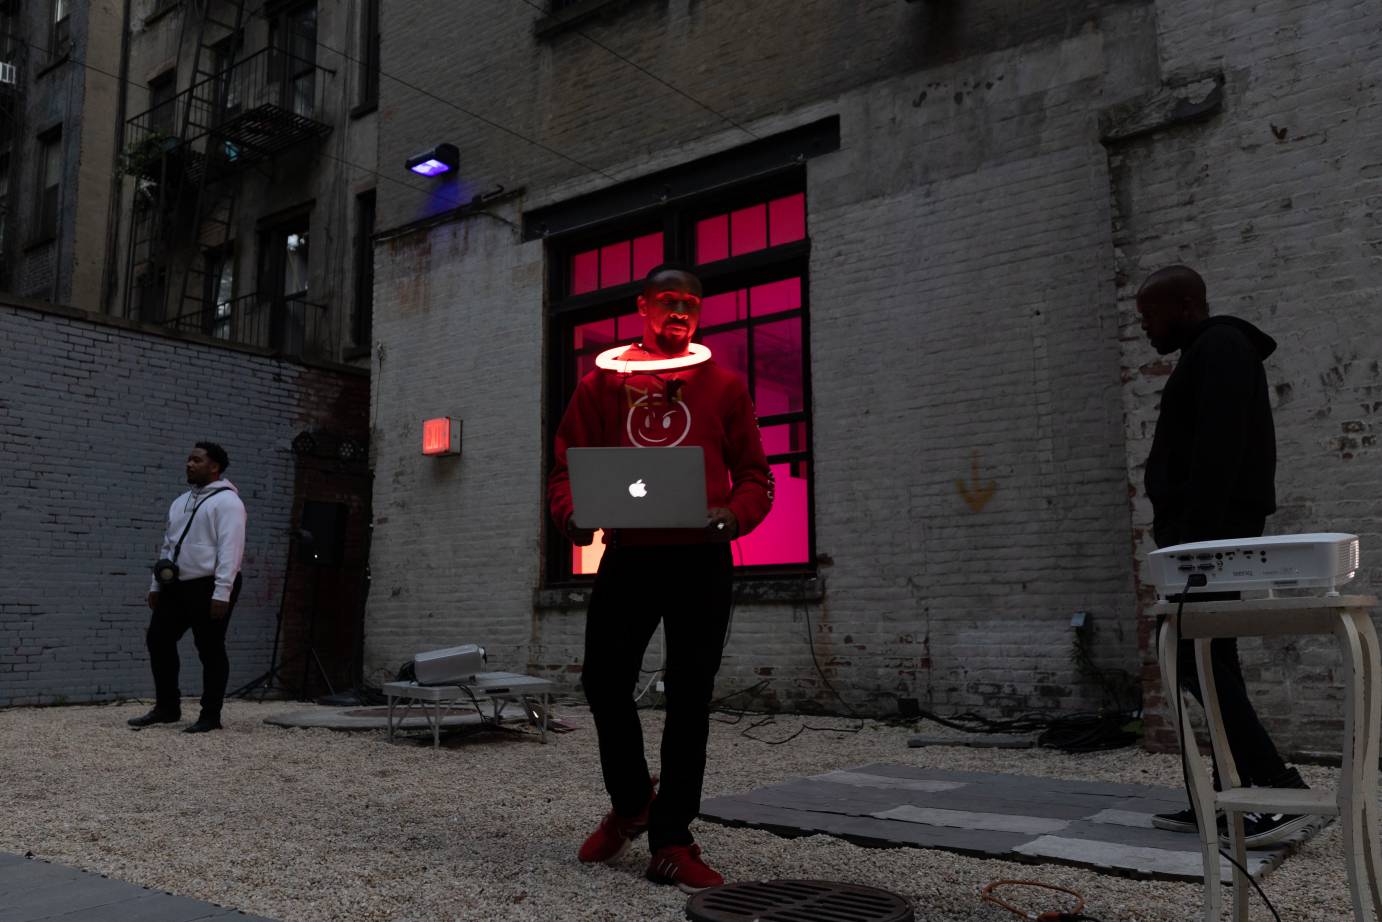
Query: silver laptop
{"points": [[638, 487]]}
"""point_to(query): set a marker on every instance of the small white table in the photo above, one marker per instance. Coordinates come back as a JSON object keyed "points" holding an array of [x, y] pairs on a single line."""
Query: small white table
{"points": [[1354, 801], [496, 687]]}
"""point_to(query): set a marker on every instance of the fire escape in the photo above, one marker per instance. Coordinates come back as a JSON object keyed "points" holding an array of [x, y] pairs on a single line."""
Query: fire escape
{"points": [[189, 156]]}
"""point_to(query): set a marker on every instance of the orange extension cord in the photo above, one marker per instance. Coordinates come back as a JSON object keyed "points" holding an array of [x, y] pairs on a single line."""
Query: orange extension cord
{"points": [[1074, 914]]}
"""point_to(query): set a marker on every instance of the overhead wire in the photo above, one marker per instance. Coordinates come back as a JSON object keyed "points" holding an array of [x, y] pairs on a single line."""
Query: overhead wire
{"points": [[643, 70], [423, 91]]}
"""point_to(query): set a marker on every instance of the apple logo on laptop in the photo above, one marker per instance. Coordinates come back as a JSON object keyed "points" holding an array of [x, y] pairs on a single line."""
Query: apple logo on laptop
{"points": [[637, 489]]}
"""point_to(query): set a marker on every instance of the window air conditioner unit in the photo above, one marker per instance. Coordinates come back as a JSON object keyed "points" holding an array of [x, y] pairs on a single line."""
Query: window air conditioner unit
{"points": [[8, 73]]}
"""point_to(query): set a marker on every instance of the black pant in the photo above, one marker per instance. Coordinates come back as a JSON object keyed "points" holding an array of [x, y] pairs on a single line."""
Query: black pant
{"points": [[688, 589], [1254, 754], [184, 605]]}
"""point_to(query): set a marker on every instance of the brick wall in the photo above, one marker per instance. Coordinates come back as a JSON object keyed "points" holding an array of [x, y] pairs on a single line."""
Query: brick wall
{"points": [[1276, 201], [972, 244], [455, 547], [962, 309], [95, 420]]}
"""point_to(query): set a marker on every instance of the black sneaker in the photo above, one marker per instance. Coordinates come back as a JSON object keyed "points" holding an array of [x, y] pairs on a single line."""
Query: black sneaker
{"points": [[1263, 829], [203, 725], [1182, 821], [154, 716]]}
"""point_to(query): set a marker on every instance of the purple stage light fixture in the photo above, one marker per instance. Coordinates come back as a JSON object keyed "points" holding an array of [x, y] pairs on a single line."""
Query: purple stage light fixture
{"points": [[441, 159]]}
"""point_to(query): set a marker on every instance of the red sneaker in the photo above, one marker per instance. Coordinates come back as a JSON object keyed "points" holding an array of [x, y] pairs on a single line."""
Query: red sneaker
{"points": [[682, 865], [611, 838]]}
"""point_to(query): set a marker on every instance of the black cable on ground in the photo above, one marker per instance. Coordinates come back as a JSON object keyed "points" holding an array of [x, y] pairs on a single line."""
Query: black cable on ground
{"points": [[1091, 731]]}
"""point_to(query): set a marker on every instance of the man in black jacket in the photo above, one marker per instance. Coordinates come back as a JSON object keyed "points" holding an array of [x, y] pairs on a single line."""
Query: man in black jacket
{"points": [[1210, 475]]}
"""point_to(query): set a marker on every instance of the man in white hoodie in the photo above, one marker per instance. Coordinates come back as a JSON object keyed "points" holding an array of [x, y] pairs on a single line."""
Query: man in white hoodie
{"points": [[204, 543]]}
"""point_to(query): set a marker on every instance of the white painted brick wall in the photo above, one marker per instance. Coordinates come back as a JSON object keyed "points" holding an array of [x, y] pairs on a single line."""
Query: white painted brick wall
{"points": [[965, 298], [962, 301], [455, 548], [1285, 230]]}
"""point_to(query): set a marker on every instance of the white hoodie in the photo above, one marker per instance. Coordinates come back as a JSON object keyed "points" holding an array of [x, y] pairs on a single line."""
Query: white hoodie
{"points": [[215, 545]]}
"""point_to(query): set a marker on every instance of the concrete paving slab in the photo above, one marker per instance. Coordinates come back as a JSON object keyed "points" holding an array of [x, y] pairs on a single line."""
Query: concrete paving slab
{"points": [[963, 819], [865, 780], [1132, 818], [1103, 826], [33, 890], [1131, 858]]}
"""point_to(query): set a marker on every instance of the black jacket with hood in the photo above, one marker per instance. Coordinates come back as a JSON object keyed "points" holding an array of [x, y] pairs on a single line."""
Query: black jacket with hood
{"points": [[1212, 469]]}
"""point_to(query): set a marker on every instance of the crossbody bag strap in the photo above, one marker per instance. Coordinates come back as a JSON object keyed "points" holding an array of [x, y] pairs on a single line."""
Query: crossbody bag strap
{"points": [[201, 502]]}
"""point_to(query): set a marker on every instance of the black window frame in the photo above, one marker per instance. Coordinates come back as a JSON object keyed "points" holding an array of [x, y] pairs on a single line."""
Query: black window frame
{"points": [[362, 318], [214, 262], [368, 100], [163, 89], [290, 68], [677, 222], [60, 30], [48, 201], [271, 274]]}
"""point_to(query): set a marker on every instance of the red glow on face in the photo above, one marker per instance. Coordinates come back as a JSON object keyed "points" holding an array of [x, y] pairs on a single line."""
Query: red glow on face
{"points": [[672, 299], [436, 436]]}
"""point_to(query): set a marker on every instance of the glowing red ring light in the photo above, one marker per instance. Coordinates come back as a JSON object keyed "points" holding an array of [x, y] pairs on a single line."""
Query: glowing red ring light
{"points": [[609, 361]]}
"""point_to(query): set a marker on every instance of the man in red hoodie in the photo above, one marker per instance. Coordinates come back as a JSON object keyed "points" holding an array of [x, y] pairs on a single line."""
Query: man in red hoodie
{"points": [[680, 577]]}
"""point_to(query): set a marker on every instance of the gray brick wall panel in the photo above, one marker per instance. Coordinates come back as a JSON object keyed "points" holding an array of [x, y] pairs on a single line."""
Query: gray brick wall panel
{"points": [[89, 471]]}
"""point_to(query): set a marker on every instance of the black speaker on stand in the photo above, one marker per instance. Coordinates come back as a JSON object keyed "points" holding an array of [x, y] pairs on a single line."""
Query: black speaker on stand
{"points": [[319, 542]]}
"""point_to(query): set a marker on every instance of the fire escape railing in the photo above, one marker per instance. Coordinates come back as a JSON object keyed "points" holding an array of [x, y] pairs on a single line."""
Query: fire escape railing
{"points": [[179, 152], [257, 107], [284, 324]]}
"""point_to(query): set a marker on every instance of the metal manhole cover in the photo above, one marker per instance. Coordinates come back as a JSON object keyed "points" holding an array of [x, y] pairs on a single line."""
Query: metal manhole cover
{"points": [[798, 901]]}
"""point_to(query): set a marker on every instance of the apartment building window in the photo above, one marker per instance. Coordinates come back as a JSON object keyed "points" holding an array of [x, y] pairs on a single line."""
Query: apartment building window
{"points": [[162, 89], [224, 54], [284, 268], [220, 293], [750, 248], [49, 186], [369, 56], [60, 40], [364, 269], [293, 34]]}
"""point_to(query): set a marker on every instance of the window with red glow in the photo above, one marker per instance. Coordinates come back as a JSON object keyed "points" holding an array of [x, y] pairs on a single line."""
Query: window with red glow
{"points": [[614, 264], [747, 230], [754, 327]]}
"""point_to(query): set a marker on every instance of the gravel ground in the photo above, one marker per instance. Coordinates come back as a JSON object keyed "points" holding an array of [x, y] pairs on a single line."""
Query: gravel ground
{"points": [[320, 825]]}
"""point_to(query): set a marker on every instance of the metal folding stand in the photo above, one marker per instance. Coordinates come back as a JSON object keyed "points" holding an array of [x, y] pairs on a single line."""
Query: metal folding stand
{"points": [[496, 687]]}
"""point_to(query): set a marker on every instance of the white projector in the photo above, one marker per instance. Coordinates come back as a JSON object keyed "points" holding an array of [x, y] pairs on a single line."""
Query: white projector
{"points": [[1278, 562], [452, 666]]}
